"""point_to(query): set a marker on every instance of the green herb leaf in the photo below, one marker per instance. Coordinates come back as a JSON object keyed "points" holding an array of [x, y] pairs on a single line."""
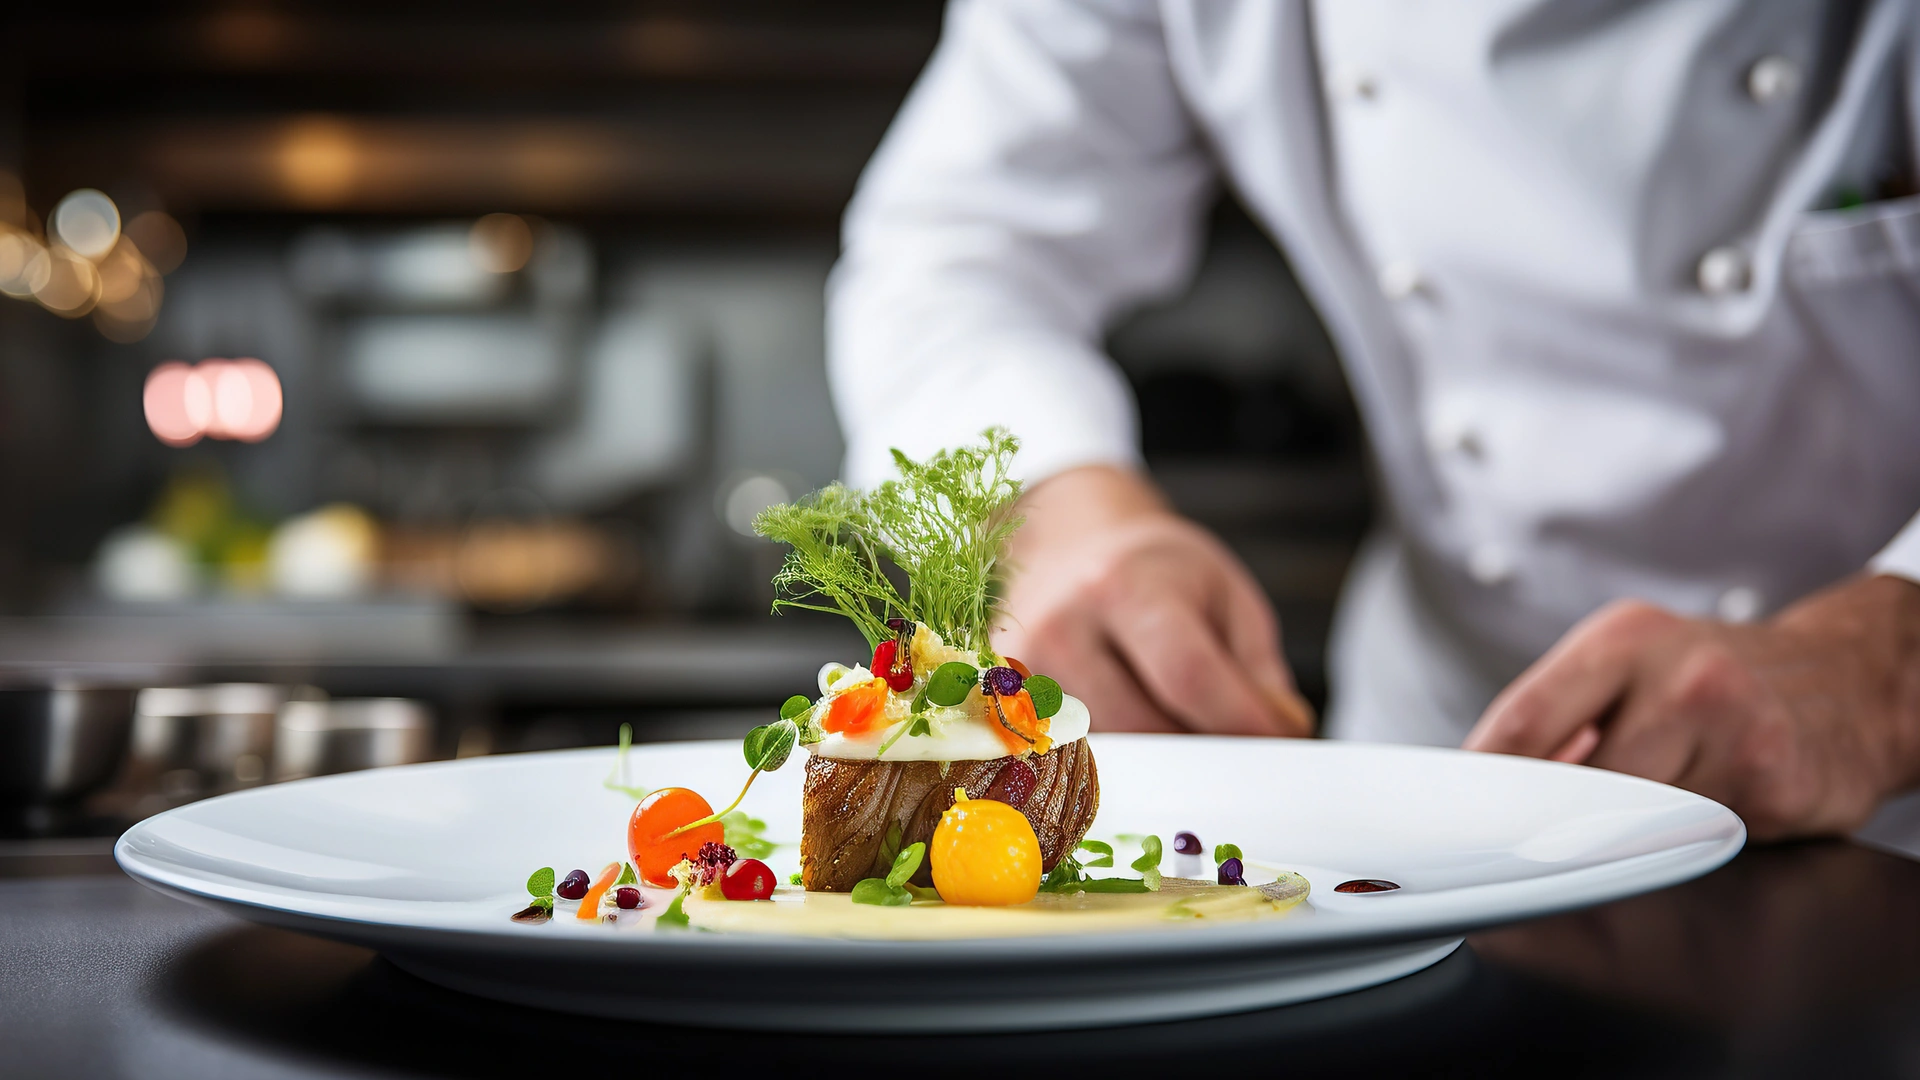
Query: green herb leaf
{"points": [[674, 917], [544, 903], [627, 876], [889, 847], [1149, 863], [951, 682], [906, 863], [875, 890], [768, 746], [1223, 852], [796, 705], [1046, 694], [1116, 885], [744, 835], [796, 878], [1149, 854], [921, 892], [541, 882], [1100, 848], [920, 701], [920, 727], [1065, 876], [944, 524]]}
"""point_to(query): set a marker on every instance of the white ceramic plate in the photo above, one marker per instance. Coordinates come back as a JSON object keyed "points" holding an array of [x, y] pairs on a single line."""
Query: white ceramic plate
{"points": [[426, 863]]}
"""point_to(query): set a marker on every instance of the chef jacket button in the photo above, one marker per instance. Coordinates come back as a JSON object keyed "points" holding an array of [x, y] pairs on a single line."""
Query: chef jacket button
{"points": [[1354, 84], [1490, 565], [1400, 279], [1772, 78], [1724, 270], [1739, 604], [1455, 438]]}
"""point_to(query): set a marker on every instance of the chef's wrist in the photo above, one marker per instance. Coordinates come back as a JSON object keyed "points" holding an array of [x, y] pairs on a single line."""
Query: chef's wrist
{"points": [[1091, 497], [1901, 597], [1878, 616]]}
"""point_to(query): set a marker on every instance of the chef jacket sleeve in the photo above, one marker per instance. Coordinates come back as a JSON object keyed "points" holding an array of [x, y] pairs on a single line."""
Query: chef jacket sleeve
{"points": [[1901, 557], [1042, 174]]}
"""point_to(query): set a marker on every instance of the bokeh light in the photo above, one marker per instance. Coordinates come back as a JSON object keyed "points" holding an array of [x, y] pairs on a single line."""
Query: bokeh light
{"points": [[318, 161], [130, 294], [166, 405], [500, 243], [87, 222], [24, 263], [160, 238], [222, 399], [72, 285]]}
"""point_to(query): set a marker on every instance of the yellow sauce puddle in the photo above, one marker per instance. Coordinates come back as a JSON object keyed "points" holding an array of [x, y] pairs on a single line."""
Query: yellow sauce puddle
{"points": [[834, 915]]}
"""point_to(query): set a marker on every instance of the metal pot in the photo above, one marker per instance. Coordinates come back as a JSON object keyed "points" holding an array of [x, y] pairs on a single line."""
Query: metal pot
{"points": [[191, 741], [60, 742], [315, 738]]}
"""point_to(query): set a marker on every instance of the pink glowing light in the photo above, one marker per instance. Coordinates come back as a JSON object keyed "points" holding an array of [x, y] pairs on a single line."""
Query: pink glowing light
{"points": [[220, 399], [166, 404]]}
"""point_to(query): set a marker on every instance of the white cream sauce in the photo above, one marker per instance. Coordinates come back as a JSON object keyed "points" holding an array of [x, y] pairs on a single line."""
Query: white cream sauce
{"points": [[960, 732], [835, 915]]}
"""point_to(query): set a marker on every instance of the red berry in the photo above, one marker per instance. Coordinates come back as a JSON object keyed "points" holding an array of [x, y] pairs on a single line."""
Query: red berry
{"points": [[748, 879], [628, 897], [888, 665], [1015, 784]]}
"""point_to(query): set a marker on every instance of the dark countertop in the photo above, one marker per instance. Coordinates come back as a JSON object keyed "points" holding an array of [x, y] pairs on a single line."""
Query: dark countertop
{"points": [[1792, 961]]}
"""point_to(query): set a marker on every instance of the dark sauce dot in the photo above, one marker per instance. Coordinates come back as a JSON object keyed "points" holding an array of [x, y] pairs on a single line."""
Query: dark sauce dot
{"points": [[1365, 885]]}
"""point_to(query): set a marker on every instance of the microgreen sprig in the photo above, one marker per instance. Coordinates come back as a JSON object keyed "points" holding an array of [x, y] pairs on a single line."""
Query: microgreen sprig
{"points": [[894, 890], [944, 524], [1223, 852], [766, 747], [620, 768], [1069, 874]]}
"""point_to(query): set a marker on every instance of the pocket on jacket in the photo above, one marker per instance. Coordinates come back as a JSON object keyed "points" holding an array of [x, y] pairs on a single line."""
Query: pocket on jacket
{"points": [[1836, 248]]}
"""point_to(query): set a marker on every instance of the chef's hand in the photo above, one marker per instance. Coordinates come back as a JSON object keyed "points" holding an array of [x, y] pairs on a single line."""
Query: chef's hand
{"points": [[1144, 615], [1801, 724]]}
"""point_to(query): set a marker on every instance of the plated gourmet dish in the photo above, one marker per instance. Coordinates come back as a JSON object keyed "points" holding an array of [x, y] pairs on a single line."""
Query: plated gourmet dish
{"points": [[949, 790]]}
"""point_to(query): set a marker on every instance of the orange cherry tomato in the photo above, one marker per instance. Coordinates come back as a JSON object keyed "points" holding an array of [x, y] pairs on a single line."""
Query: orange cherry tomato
{"points": [[855, 711], [984, 854], [654, 852], [590, 903]]}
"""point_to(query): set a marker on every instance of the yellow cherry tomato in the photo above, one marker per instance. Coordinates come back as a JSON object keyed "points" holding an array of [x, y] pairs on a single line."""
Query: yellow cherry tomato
{"points": [[984, 854]]}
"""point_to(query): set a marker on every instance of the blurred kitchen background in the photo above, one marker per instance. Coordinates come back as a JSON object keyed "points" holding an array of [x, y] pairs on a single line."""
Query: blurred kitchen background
{"points": [[397, 381]]}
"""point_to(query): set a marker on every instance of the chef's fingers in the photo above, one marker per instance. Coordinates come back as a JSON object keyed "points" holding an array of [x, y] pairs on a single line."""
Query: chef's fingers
{"points": [[1179, 657], [1115, 698], [1580, 747], [1577, 683], [1647, 739], [1075, 650], [1253, 637]]}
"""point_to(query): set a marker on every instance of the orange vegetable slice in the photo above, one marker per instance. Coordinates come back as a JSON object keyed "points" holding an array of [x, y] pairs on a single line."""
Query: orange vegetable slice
{"points": [[855, 711], [1017, 725], [590, 903]]}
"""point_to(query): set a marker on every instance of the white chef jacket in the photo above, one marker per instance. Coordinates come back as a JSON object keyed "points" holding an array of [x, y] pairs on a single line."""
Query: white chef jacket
{"points": [[1605, 340]]}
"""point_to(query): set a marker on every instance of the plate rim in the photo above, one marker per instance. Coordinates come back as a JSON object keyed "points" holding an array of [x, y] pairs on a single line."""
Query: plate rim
{"points": [[1527, 898]]}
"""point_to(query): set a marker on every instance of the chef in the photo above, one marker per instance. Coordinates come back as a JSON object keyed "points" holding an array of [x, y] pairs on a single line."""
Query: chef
{"points": [[1628, 295]]}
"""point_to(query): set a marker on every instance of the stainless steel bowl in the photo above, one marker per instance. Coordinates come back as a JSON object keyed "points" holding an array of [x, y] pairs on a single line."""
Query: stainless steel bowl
{"points": [[60, 742], [315, 738], [190, 741]]}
